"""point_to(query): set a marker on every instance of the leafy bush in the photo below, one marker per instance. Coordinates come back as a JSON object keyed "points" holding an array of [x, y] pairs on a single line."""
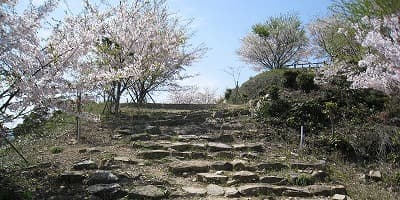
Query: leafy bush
{"points": [[259, 85], [303, 180], [340, 81], [33, 121], [373, 99], [56, 150], [392, 106], [305, 81], [290, 79], [310, 114], [274, 93], [339, 143], [228, 94], [396, 178], [275, 108]]}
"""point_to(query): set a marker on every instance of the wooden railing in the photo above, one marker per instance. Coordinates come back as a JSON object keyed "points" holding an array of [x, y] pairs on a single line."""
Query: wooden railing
{"points": [[307, 65]]}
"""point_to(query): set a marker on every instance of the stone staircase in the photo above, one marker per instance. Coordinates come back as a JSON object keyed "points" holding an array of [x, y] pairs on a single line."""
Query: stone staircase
{"points": [[208, 157]]}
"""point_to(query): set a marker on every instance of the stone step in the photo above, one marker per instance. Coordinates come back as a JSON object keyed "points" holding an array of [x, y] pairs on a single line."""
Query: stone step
{"points": [[245, 177], [147, 192], [255, 190], [214, 147], [189, 155], [212, 178], [189, 167], [107, 191], [72, 177], [85, 165], [154, 154], [182, 146], [249, 147], [308, 191], [321, 164], [101, 177]]}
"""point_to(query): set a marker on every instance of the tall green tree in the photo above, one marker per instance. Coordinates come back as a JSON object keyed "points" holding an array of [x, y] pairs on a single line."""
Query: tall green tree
{"points": [[274, 43], [355, 10]]}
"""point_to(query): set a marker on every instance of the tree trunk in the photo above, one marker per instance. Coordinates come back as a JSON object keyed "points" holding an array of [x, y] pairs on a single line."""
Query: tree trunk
{"points": [[79, 111]]}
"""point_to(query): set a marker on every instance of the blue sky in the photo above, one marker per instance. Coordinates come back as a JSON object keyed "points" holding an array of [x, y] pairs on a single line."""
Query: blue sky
{"points": [[220, 25]]}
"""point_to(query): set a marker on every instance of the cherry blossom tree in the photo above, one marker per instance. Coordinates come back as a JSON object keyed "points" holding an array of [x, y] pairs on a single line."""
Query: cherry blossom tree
{"points": [[273, 44], [193, 95], [380, 67], [136, 45], [26, 67]]}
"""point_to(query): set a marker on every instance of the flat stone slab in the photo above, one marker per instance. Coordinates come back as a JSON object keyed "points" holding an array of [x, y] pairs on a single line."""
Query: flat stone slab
{"points": [[150, 145], [374, 175], [101, 177], [85, 165], [339, 197], [259, 189], [296, 192], [224, 154], [154, 130], [221, 165], [272, 166], [267, 189], [107, 191], [195, 190], [248, 147], [308, 191], [272, 179], [326, 190], [302, 165], [215, 190], [154, 154], [187, 137], [72, 177], [89, 150], [245, 177], [189, 155], [224, 138], [181, 146], [147, 192], [140, 137], [212, 178], [125, 159], [239, 165], [194, 166], [125, 132], [214, 147], [231, 192]]}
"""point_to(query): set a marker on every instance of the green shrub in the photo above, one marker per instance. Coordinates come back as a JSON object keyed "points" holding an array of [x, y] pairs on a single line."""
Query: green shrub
{"points": [[290, 79], [331, 143], [56, 150], [373, 99], [396, 178], [228, 94], [274, 93], [33, 121], [305, 81], [260, 84], [303, 180], [310, 114], [275, 108], [340, 81], [392, 106]]}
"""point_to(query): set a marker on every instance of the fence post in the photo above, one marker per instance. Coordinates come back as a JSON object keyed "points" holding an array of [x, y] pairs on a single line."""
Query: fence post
{"points": [[302, 136]]}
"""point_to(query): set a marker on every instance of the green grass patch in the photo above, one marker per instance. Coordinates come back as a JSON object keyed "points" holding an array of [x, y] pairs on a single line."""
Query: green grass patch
{"points": [[56, 150]]}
